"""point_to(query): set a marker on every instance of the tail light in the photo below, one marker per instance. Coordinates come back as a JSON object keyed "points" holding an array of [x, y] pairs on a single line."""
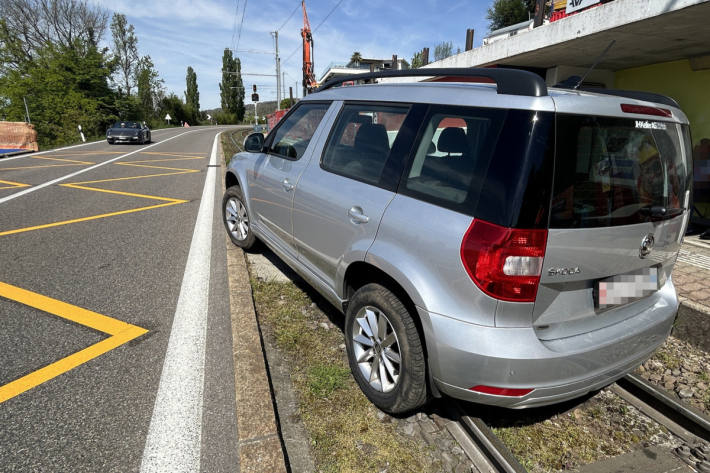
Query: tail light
{"points": [[505, 263], [645, 110]]}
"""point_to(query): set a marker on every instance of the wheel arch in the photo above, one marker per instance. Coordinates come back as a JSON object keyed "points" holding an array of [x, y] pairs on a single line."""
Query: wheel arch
{"points": [[230, 179], [361, 273]]}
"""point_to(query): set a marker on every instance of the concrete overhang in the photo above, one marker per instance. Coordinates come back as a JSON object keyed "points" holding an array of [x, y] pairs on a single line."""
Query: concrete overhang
{"points": [[646, 32]]}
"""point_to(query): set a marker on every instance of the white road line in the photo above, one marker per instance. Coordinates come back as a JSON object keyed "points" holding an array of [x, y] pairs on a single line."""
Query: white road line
{"points": [[2, 160], [174, 437], [81, 171]]}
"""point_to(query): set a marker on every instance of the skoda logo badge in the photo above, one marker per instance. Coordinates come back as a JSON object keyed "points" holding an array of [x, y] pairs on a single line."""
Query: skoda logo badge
{"points": [[646, 245]]}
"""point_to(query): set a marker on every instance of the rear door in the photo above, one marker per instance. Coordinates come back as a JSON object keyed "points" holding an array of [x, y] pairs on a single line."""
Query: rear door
{"points": [[618, 213], [341, 197]]}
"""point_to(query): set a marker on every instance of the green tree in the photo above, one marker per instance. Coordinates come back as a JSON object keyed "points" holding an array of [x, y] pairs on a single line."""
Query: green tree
{"points": [[232, 88], [417, 60], [287, 103], [192, 95], [125, 52], [443, 50], [65, 86], [150, 86], [173, 106], [503, 13], [31, 25], [356, 58]]}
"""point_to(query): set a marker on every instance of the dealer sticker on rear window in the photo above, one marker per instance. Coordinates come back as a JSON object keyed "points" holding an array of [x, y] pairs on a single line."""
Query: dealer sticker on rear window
{"points": [[650, 125]]}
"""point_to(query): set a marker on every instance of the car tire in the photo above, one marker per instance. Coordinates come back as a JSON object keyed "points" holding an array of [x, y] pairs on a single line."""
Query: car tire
{"points": [[109, 142], [409, 390], [236, 219]]}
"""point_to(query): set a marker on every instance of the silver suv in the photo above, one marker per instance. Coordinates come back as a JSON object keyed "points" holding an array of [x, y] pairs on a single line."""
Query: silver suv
{"points": [[502, 243]]}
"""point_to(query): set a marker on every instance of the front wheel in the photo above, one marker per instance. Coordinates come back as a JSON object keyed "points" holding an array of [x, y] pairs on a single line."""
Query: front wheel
{"points": [[385, 351], [236, 218]]}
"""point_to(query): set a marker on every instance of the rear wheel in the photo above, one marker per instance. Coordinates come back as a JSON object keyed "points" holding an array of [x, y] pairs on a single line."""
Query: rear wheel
{"points": [[236, 218], [384, 350]]}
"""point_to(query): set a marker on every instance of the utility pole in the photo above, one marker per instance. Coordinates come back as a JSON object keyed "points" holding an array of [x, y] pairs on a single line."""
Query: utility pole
{"points": [[283, 85], [27, 111], [278, 70]]}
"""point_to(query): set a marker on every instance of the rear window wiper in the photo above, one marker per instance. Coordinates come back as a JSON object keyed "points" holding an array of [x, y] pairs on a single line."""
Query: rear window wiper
{"points": [[659, 212]]}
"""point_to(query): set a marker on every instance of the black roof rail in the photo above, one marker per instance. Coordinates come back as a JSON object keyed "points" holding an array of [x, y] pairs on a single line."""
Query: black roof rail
{"points": [[509, 81], [634, 94]]}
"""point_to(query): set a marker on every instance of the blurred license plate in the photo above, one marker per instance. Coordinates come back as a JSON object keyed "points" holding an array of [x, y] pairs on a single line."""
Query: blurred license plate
{"points": [[625, 288]]}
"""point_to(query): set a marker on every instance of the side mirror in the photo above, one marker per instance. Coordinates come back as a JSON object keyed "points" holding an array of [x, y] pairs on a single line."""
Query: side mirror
{"points": [[254, 143]]}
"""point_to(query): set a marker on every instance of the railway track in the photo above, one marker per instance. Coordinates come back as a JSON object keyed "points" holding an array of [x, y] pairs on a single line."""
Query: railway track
{"points": [[686, 423]]}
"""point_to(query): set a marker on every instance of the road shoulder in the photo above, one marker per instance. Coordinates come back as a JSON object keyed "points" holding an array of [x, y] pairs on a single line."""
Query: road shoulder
{"points": [[259, 442]]}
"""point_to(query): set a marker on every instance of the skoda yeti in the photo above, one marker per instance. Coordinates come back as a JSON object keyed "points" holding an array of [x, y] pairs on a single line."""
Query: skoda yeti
{"points": [[507, 243]]}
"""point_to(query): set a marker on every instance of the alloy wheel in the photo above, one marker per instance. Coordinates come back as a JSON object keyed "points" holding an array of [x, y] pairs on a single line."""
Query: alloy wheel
{"points": [[237, 218], [376, 349]]}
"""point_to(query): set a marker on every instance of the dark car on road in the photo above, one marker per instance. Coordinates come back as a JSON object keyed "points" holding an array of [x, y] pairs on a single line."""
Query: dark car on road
{"points": [[128, 132]]}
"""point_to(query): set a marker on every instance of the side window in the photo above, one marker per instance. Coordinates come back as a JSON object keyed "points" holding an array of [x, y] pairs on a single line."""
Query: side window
{"points": [[452, 148], [362, 139], [294, 134]]}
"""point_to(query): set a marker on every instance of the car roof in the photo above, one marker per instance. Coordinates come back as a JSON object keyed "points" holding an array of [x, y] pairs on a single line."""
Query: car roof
{"points": [[474, 94]]}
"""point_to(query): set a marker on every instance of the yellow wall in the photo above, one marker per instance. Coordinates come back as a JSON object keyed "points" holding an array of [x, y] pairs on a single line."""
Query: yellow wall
{"points": [[692, 91], [676, 79]]}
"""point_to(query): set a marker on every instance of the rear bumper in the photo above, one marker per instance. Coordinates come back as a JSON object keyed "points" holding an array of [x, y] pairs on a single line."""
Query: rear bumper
{"points": [[463, 355]]}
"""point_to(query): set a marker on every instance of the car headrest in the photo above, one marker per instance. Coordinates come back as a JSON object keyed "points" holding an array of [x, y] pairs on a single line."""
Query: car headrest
{"points": [[453, 140], [372, 137]]}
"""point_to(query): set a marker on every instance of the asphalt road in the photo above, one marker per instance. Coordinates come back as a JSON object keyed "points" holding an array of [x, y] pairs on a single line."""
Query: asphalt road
{"points": [[115, 355]]}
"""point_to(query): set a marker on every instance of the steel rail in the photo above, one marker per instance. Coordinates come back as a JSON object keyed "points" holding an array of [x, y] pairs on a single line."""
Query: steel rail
{"points": [[491, 446], [687, 417]]}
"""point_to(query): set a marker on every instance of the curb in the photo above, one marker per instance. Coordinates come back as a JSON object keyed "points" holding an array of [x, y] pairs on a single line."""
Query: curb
{"points": [[697, 243], [692, 323], [259, 442], [16, 153]]}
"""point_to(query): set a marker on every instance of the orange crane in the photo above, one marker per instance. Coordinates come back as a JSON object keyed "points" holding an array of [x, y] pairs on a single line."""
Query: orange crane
{"points": [[309, 80]]}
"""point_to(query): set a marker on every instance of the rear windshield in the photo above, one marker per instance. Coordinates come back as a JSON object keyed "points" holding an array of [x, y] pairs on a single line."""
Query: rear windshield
{"points": [[618, 171]]}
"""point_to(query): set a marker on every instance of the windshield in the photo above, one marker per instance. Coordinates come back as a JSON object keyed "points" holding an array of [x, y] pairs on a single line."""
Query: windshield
{"points": [[618, 171], [133, 125]]}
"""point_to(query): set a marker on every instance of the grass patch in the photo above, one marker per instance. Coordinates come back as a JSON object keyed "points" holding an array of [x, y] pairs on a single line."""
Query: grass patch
{"points": [[345, 433], [323, 379], [667, 358], [602, 427], [228, 145]]}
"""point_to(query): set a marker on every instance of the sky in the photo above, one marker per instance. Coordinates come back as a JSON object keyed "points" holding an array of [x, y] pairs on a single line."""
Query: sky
{"points": [[181, 33]]}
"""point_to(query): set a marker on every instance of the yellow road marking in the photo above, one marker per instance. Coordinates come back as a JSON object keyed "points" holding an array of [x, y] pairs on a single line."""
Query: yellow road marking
{"points": [[184, 158], [186, 171], [82, 185], [86, 219], [12, 185], [40, 166], [128, 194], [158, 167], [181, 155], [64, 160], [120, 333], [80, 153]]}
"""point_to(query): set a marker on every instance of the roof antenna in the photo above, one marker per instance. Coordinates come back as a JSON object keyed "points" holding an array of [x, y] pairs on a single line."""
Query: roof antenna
{"points": [[601, 56]]}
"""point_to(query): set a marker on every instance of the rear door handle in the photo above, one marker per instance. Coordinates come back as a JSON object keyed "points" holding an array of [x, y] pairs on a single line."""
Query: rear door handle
{"points": [[288, 187], [356, 215]]}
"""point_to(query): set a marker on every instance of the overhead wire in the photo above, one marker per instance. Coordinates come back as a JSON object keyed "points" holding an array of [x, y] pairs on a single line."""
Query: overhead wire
{"points": [[289, 17], [234, 25], [315, 29], [244, 12]]}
